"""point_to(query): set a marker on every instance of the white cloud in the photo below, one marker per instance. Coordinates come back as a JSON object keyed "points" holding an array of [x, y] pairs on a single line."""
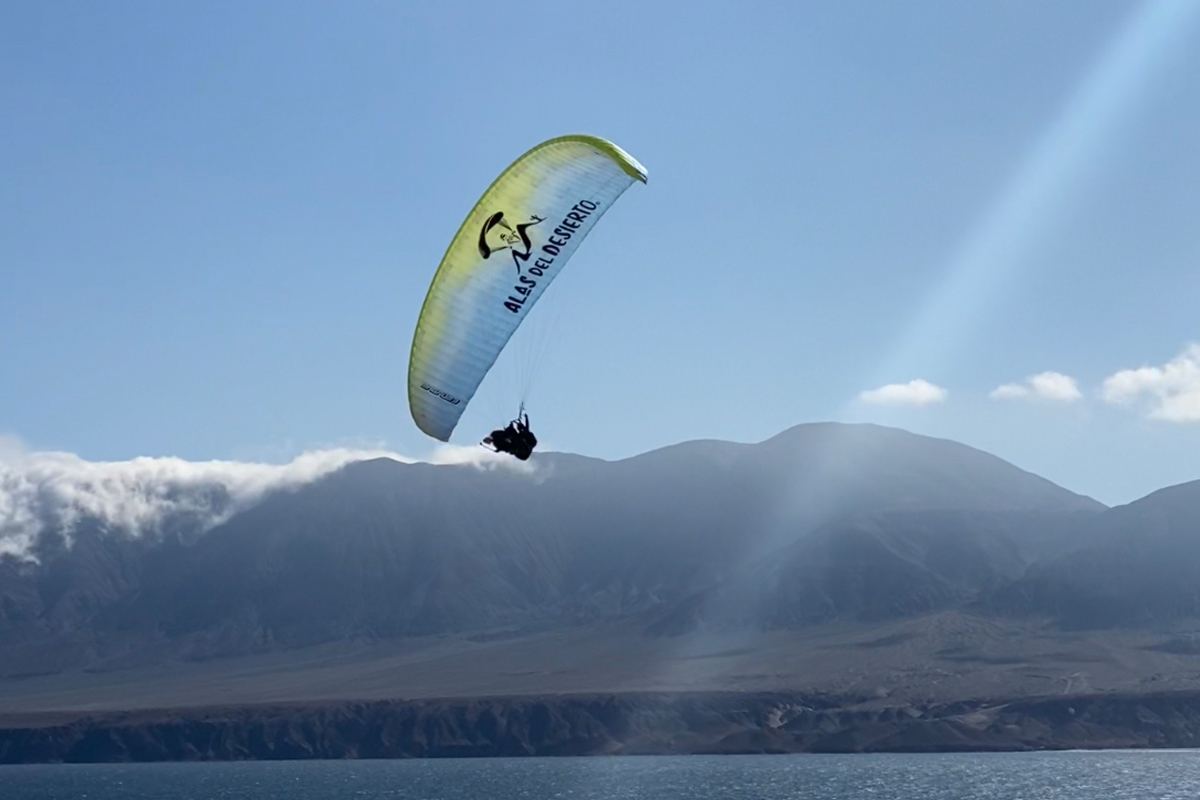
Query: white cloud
{"points": [[42, 491], [1010, 391], [51, 489], [1046, 385], [480, 457], [916, 392], [1172, 391]]}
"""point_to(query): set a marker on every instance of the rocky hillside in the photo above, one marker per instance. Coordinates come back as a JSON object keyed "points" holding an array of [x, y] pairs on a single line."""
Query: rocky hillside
{"points": [[820, 522], [836, 587]]}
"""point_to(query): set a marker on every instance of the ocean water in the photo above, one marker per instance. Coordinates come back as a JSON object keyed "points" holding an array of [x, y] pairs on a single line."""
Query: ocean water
{"points": [[1110, 775]]}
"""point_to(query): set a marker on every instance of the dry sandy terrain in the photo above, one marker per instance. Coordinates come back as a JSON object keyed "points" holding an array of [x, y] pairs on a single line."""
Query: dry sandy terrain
{"points": [[935, 659]]}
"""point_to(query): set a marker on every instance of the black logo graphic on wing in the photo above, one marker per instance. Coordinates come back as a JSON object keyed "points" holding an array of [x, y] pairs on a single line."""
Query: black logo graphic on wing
{"points": [[497, 235]]}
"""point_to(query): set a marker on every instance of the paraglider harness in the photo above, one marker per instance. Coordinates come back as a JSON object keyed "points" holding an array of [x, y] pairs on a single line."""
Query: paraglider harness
{"points": [[515, 438]]}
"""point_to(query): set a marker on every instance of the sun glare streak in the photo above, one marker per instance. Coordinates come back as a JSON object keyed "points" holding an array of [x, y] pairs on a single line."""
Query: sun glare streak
{"points": [[1084, 129]]}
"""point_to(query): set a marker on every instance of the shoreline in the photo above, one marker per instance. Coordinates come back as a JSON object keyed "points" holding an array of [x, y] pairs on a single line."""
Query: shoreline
{"points": [[601, 724]]}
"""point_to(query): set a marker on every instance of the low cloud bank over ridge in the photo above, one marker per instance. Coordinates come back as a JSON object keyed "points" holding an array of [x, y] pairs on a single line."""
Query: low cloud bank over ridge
{"points": [[53, 490], [43, 491]]}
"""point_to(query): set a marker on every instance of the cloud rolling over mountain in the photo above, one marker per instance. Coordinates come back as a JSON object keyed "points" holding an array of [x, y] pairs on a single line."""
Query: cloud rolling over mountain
{"points": [[42, 491]]}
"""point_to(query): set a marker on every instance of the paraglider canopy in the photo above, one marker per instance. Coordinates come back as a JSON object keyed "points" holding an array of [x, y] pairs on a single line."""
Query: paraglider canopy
{"points": [[511, 246]]}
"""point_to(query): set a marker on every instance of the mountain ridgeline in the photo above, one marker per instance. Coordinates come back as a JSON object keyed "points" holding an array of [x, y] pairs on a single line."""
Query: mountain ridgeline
{"points": [[821, 523]]}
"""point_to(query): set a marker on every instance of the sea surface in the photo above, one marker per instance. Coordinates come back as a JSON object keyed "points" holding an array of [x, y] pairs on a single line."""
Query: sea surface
{"points": [[1109, 775]]}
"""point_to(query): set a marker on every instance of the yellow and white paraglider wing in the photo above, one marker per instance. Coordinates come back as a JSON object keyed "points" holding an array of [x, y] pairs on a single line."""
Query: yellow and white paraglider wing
{"points": [[513, 243]]}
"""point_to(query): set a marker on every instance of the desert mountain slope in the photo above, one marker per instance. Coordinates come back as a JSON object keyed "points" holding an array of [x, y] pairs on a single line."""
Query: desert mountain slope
{"points": [[821, 523]]}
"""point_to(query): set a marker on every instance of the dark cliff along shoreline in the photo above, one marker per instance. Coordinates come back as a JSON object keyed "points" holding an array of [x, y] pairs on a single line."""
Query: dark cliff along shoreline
{"points": [[642, 724]]}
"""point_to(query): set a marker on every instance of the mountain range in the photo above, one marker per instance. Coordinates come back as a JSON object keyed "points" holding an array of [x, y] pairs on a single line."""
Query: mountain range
{"points": [[853, 562]]}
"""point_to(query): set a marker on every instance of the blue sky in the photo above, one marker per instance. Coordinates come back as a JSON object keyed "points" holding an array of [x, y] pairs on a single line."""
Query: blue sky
{"points": [[218, 222]]}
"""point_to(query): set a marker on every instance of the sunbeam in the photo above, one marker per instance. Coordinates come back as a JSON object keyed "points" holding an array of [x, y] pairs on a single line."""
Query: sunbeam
{"points": [[990, 256]]}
